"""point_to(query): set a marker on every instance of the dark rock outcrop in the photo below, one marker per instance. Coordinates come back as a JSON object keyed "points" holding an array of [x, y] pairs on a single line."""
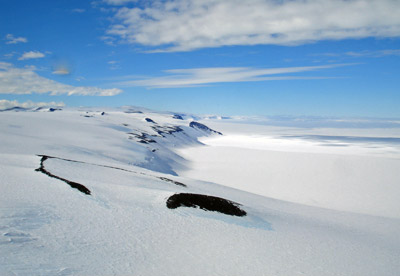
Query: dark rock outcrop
{"points": [[132, 111], [199, 126], [163, 130], [142, 138], [205, 202], [172, 181], [74, 185]]}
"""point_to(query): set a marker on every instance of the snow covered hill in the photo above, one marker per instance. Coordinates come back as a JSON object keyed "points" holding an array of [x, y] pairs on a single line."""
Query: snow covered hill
{"points": [[102, 192]]}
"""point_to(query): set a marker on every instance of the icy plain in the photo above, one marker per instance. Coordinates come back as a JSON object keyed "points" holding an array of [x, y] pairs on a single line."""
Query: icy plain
{"points": [[319, 201]]}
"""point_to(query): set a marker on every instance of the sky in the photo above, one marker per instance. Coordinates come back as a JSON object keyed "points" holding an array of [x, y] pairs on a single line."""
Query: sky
{"points": [[227, 57]]}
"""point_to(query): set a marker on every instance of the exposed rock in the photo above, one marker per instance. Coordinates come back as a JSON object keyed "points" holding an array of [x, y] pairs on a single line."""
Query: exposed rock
{"points": [[142, 138], [74, 185], [134, 111], [205, 202], [197, 125], [172, 181], [162, 130]]}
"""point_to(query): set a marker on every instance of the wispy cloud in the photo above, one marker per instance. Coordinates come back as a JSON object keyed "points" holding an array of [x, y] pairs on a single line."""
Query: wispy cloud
{"points": [[31, 55], [25, 81], [184, 25], [78, 10], [5, 104], [366, 53], [381, 53], [114, 65], [118, 2], [9, 55], [109, 40], [61, 71], [11, 39], [204, 76]]}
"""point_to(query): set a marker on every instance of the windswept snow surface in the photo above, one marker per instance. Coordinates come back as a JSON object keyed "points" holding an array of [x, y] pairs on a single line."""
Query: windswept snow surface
{"points": [[132, 166]]}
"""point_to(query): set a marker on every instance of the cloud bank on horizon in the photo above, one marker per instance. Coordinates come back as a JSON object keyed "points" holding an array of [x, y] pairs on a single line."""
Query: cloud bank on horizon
{"points": [[185, 25]]}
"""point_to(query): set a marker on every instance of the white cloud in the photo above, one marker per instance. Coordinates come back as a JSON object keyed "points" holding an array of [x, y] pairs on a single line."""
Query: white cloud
{"points": [[25, 81], [204, 76], [109, 40], [118, 2], [31, 55], [5, 104], [183, 25], [11, 39], [61, 71]]}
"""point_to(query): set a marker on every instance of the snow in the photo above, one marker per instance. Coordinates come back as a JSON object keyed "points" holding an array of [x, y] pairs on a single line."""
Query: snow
{"points": [[125, 228], [348, 178]]}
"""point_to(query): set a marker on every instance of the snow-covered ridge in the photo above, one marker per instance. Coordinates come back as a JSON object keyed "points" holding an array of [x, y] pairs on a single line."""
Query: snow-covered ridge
{"points": [[147, 138], [88, 191]]}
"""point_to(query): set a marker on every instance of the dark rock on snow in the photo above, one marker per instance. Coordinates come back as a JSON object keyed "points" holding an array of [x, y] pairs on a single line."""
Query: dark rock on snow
{"points": [[74, 185], [200, 126], [142, 138], [134, 111], [161, 130], [205, 202], [172, 181]]}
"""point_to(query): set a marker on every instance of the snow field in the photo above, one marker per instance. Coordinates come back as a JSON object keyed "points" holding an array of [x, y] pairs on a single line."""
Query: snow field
{"points": [[124, 227]]}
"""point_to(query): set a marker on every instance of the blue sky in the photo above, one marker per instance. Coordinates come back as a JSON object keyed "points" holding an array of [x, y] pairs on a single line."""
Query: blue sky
{"points": [[255, 57]]}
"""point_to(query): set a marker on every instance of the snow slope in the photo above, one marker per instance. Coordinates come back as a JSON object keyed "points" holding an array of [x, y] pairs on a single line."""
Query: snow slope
{"points": [[123, 227]]}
